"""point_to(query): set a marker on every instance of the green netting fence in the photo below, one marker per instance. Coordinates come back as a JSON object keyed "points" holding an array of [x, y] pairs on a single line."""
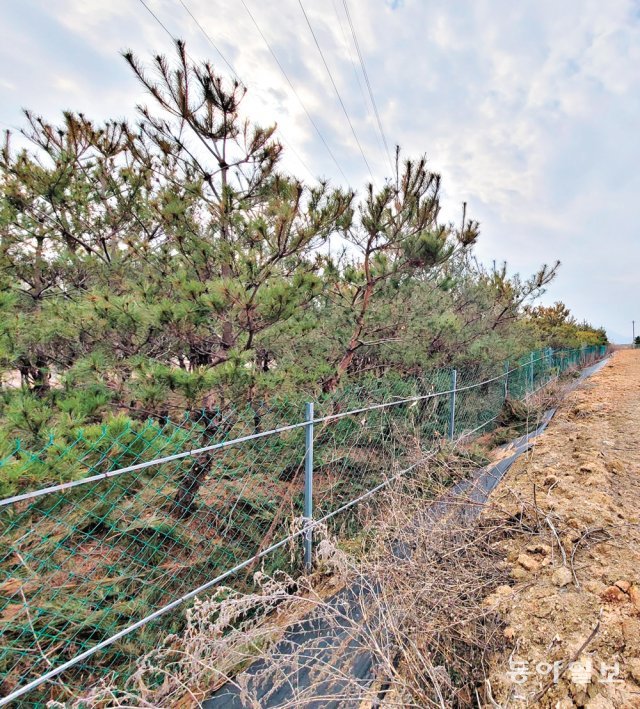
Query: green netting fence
{"points": [[136, 518]]}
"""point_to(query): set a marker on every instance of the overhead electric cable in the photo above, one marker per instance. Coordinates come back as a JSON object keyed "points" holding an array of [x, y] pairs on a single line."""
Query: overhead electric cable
{"points": [[366, 78], [350, 52], [211, 42], [168, 31], [335, 87], [235, 73], [242, 83], [157, 19], [293, 88]]}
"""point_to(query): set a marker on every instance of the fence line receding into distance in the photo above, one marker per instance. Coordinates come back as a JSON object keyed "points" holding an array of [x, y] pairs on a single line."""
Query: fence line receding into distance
{"points": [[135, 520]]}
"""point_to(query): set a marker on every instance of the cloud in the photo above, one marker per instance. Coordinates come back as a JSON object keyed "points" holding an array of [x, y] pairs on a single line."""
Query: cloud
{"points": [[529, 110]]}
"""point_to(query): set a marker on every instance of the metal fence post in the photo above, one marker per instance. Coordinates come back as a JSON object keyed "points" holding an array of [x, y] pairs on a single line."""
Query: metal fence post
{"points": [[308, 483], [506, 380], [531, 358], [452, 397]]}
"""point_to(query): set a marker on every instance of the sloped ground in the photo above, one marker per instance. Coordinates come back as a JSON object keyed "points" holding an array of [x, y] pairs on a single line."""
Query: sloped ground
{"points": [[572, 506]]}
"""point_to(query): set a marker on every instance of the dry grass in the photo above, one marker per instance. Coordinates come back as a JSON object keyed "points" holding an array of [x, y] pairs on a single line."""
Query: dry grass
{"points": [[412, 614]]}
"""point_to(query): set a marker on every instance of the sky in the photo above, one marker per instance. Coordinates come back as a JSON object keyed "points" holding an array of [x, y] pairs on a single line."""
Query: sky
{"points": [[529, 110]]}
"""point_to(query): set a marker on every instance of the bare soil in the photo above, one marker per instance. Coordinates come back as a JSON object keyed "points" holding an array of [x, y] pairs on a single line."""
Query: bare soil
{"points": [[572, 510]]}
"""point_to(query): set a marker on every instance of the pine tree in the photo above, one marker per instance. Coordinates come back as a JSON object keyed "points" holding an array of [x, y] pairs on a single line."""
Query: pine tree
{"points": [[397, 237], [241, 237]]}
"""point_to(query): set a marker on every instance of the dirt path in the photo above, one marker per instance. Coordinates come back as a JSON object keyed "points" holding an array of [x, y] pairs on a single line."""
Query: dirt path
{"points": [[572, 506]]}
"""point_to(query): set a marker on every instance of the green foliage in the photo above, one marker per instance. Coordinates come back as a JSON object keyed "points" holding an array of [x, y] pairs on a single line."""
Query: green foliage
{"points": [[75, 452], [143, 275], [556, 327]]}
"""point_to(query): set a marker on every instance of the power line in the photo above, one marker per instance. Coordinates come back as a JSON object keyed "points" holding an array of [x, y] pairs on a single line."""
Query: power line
{"points": [[293, 88], [366, 78], [174, 39], [210, 40], [326, 66], [208, 37], [157, 19], [349, 48], [212, 43]]}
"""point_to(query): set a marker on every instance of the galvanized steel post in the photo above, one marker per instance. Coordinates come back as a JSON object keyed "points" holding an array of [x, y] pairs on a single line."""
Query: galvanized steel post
{"points": [[531, 358], [452, 396], [308, 483], [506, 380]]}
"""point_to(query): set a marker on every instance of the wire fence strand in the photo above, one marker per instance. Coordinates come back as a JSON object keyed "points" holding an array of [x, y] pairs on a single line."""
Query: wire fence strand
{"points": [[134, 520]]}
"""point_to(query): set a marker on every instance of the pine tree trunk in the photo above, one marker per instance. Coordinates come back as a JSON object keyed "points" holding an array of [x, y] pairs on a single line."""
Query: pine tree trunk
{"points": [[183, 504], [331, 384]]}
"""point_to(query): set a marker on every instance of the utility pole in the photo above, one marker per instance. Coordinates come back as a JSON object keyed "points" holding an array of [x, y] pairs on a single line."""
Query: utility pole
{"points": [[633, 330], [464, 216]]}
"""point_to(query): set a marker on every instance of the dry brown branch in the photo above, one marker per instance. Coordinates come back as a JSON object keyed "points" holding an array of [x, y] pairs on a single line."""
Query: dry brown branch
{"points": [[586, 534], [566, 665], [416, 610]]}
